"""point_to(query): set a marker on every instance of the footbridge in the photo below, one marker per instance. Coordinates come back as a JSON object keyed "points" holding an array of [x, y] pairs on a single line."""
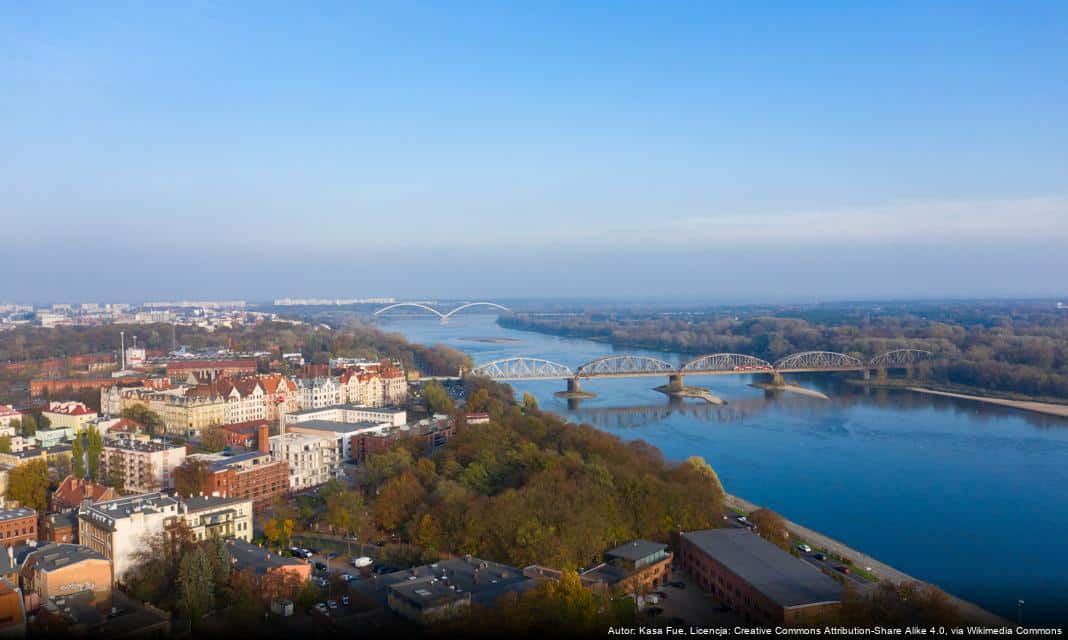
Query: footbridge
{"points": [[713, 364], [444, 316]]}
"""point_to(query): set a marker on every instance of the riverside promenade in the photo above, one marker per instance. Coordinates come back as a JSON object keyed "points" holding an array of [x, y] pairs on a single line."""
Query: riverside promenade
{"points": [[969, 611]]}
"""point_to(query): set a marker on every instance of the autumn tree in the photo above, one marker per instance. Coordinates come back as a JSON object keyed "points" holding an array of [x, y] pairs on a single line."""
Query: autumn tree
{"points": [[581, 611], [898, 605], [213, 438], [530, 403], [5, 444], [397, 501], [28, 484], [279, 531], [191, 477], [772, 527]]}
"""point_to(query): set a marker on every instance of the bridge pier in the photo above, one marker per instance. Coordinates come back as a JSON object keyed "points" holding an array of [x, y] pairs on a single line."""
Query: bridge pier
{"points": [[574, 391], [675, 382], [777, 380]]}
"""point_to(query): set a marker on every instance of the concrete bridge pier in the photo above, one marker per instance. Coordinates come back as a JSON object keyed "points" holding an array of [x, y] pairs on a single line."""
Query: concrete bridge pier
{"points": [[675, 382], [574, 391], [777, 380]]}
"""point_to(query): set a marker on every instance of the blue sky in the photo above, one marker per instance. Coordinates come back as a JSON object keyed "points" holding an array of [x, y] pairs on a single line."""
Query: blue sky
{"points": [[786, 151]]}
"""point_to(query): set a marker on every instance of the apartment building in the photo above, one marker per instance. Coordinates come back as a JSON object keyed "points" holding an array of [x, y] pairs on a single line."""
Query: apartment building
{"points": [[70, 415], [312, 460], [316, 393], [214, 516], [189, 414], [343, 432], [144, 465], [254, 475], [17, 525], [56, 570], [352, 413]]}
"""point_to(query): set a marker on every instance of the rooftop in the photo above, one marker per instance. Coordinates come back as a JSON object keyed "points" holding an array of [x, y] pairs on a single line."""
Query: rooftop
{"points": [[486, 581], [107, 513], [257, 559], [636, 550], [17, 512], [203, 503], [56, 556], [337, 427], [786, 580]]}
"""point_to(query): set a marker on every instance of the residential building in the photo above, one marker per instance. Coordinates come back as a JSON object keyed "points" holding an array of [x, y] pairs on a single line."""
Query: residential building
{"points": [[351, 413], [60, 527], [342, 432], [312, 460], [762, 583], [8, 414], [180, 370], [119, 529], [28, 454], [243, 434], [374, 386], [143, 465], [72, 491], [17, 525], [56, 570], [211, 516], [278, 575], [316, 393], [435, 433], [255, 475], [72, 415]]}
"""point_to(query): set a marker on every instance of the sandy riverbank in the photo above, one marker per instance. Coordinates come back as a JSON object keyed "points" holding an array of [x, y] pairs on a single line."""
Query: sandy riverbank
{"points": [[1047, 408]]}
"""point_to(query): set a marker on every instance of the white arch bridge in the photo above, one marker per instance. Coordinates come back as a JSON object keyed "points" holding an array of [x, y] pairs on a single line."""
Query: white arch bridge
{"points": [[443, 316], [714, 364]]}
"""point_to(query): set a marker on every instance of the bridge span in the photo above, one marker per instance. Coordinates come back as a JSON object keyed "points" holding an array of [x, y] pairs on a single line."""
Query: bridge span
{"points": [[714, 364], [444, 316]]}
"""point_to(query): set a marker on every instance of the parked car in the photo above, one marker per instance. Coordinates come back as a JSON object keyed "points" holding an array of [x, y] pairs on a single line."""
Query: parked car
{"points": [[804, 547], [320, 566], [347, 577], [332, 604], [844, 569], [345, 600], [820, 556]]}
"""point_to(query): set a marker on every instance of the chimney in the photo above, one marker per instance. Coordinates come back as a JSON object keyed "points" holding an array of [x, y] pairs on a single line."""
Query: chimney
{"points": [[263, 442]]}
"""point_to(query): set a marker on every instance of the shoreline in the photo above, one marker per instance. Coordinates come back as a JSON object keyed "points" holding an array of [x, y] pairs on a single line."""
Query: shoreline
{"points": [[969, 610], [1035, 406]]}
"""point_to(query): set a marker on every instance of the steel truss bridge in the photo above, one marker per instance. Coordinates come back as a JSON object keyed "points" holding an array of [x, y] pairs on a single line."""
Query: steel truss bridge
{"points": [[443, 316], [714, 364]]}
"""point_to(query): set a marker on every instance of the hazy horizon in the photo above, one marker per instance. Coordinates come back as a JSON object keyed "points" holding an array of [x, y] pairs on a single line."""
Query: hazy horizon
{"points": [[777, 153]]}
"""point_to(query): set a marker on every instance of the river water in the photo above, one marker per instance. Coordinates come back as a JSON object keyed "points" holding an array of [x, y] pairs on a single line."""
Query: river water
{"points": [[968, 496]]}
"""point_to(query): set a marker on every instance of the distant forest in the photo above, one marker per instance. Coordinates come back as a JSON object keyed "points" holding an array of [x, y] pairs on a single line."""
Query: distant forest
{"points": [[1001, 347]]}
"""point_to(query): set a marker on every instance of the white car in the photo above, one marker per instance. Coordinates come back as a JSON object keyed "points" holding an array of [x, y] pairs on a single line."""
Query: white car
{"points": [[804, 547]]}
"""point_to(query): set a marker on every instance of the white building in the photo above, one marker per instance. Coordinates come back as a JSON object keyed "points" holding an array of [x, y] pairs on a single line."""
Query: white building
{"points": [[144, 465], [351, 413], [212, 516], [316, 393], [342, 432], [312, 460]]}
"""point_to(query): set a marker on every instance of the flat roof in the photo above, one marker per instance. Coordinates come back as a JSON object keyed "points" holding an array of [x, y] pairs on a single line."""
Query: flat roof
{"points": [[636, 550], [786, 580], [334, 426], [56, 556], [248, 556], [201, 503], [17, 512], [486, 581]]}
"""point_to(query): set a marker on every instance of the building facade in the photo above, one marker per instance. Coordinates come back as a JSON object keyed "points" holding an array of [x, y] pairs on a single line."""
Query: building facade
{"points": [[312, 460], [143, 465], [17, 525]]}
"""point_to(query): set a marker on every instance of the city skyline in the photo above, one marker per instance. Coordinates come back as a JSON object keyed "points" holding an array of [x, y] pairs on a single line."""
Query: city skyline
{"points": [[787, 152]]}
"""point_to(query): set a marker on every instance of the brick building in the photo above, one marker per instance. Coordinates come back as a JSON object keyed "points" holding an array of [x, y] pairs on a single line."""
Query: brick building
{"points": [[254, 475], [762, 583], [72, 491], [17, 524], [639, 566]]}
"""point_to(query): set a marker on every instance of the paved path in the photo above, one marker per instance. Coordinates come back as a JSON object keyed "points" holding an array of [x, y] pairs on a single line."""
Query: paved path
{"points": [[971, 612]]}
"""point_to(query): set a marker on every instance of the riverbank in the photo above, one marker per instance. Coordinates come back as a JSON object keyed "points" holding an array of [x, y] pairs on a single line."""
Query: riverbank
{"points": [[970, 611], [1048, 408]]}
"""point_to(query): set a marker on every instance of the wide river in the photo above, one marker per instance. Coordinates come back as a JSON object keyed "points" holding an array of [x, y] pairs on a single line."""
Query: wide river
{"points": [[969, 496]]}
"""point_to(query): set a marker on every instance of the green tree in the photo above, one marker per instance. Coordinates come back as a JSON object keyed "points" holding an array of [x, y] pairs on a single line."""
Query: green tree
{"points": [[196, 585], [530, 403], [142, 415], [345, 512], [28, 483], [5, 444], [94, 448], [29, 426], [77, 454], [437, 398]]}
